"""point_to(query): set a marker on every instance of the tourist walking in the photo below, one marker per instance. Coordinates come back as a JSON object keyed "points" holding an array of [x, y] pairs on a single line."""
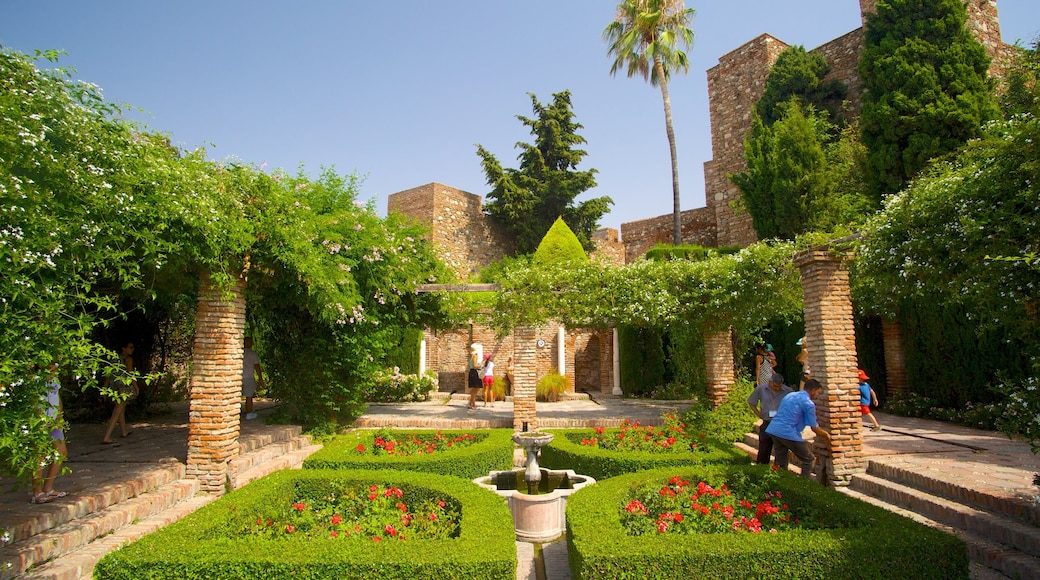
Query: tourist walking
{"points": [[867, 397], [121, 381], [43, 480]]}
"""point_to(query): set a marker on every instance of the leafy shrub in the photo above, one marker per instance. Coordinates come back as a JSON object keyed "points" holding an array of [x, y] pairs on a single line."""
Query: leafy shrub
{"points": [[551, 386], [391, 386], [219, 540], [491, 451], [730, 421], [850, 539], [567, 452]]}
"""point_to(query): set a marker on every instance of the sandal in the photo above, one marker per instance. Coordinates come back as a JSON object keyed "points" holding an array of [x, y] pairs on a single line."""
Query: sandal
{"points": [[53, 495], [41, 498]]}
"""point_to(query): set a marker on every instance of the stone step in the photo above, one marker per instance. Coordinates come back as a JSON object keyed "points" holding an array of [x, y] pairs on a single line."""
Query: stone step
{"points": [[1017, 508], [249, 442], [258, 456], [67, 538], [79, 564], [995, 527], [999, 561], [292, 459], [60, 512]]}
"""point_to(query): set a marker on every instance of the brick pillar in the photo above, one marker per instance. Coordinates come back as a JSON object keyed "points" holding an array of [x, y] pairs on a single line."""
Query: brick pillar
{"points": [[525, 378], [216, 383], [718, 359], [897, 386], [831, 342]]}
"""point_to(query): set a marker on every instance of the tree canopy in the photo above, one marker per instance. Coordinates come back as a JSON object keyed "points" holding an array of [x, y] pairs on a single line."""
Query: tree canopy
{"points": [[650, 38], [527, 200], [926, 90], [802, 75], [97, 213]]}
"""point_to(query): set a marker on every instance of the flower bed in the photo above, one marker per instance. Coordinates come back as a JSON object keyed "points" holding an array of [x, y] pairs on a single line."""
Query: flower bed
{"points": [[332, 524], [602, 453], [791, 527], [459, 453]]}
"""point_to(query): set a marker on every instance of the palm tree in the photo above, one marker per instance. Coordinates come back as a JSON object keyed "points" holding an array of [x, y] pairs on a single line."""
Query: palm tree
{"points": [[648, 37]]}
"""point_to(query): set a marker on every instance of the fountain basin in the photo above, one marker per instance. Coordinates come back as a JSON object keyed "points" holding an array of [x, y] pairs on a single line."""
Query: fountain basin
{"points": [[538, 517]]}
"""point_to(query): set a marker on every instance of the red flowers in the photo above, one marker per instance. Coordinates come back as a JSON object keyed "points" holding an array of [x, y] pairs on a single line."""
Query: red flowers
{"points": [[685, 509], [389, 442], [378, 512], [631, 436]]}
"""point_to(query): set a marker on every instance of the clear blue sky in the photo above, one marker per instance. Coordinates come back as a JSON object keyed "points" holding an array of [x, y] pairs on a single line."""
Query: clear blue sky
{"points": [[402, 92]]}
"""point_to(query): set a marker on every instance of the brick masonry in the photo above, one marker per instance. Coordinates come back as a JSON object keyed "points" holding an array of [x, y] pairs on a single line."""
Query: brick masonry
{"points": [[216, 384], [718, 355], [831, 343], [897, 385]]}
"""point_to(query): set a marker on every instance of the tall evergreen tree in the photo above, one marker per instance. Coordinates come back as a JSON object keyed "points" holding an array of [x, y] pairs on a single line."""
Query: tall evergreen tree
{"points": [[801, 74], [926, 90], [648, 38], [526, 201]]}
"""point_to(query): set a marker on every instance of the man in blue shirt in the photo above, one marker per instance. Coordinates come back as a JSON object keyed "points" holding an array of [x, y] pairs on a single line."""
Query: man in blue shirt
{"points": [[797, 411]]}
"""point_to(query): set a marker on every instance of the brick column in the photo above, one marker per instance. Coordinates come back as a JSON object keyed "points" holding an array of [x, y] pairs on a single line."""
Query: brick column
{"points": [[216, 383], [718, 359], [832, 357], [525, 378], [895, 360]]}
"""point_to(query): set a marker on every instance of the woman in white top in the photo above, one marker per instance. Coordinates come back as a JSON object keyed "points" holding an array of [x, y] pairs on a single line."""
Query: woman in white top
{"points": [[489, 380]]}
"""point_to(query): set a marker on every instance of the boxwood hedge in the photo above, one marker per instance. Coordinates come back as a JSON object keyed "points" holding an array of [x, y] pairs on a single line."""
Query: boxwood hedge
{"points": [[852, 539], [567, 452], [493, 451], [203, 544]]}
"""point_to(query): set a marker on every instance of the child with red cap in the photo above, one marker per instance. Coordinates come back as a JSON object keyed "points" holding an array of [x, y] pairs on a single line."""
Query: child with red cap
{"points": [[866, 397]]}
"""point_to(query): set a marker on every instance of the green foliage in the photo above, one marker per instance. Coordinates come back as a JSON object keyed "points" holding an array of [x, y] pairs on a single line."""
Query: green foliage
{"points": [[599, 547], [551, 386], [926, 90], [1019, 94], [210, 543], [690, 252], [801, 75], [802, 175], [493, 451], [392, 386], [526, 201], [567, 452], [710, 295], [559, 247], [405, 356], [929, 260], [730, 421], [642, 360], [327, 308]]}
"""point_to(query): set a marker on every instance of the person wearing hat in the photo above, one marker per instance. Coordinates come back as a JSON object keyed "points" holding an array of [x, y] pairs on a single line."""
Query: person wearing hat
{"points": [[797, 411], [764, 402], [867, 397], [488, 376]]}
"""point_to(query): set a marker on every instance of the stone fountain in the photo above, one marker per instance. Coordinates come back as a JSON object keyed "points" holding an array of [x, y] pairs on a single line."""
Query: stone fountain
{"points": [[539, 515]]}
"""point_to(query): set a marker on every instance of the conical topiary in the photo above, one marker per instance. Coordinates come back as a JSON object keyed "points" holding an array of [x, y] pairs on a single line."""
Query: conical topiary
{"points": [[559, 246]]}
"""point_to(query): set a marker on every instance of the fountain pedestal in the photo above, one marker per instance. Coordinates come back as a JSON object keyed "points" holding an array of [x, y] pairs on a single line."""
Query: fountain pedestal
{"points": [[538, 517]]}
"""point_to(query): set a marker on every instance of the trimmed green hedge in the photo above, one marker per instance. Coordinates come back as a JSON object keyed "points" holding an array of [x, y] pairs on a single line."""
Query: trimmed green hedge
{"points": [[493, 451], [567, 452], [853, 539], [200, 546]]}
